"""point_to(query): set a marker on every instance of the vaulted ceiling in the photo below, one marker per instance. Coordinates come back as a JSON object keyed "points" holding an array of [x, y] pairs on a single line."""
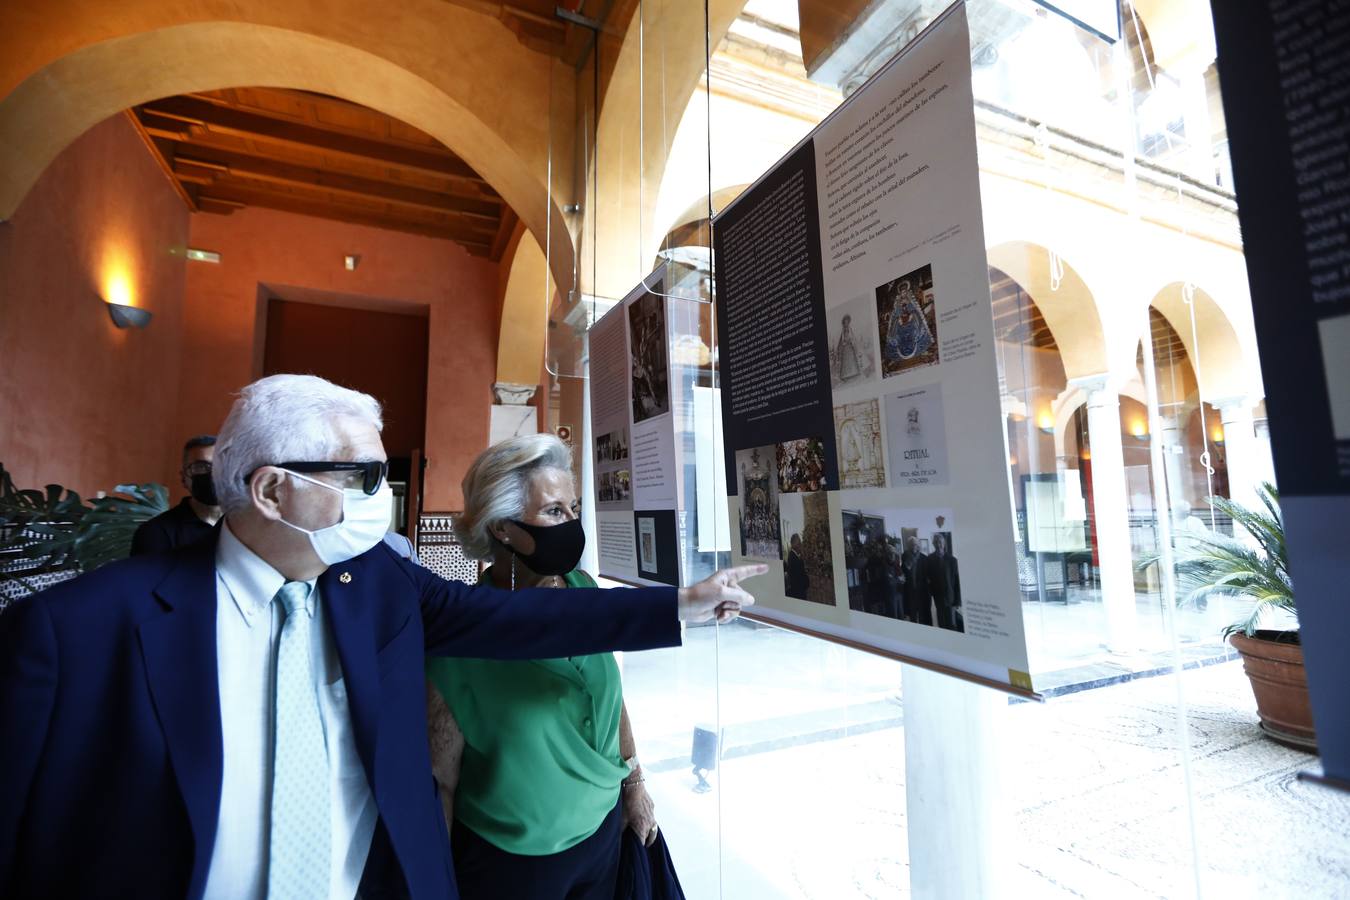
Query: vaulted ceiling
{"points": [[320, 156]]}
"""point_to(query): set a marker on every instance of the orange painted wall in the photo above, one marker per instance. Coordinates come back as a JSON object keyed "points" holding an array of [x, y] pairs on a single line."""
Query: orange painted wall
{"points": [[83, 403], [225, 316]]}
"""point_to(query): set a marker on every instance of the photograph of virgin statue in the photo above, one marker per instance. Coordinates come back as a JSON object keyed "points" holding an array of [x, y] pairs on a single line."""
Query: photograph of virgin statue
{"points": [[647, 340], [853, 357], [757, 488], [907, 320]]}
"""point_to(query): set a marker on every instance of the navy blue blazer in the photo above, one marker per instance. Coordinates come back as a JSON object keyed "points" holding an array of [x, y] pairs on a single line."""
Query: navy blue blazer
{"points": [[110, 734]]}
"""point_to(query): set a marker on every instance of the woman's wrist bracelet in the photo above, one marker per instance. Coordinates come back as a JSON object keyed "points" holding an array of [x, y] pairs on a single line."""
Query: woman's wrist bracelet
{"points": [[632, 782]]}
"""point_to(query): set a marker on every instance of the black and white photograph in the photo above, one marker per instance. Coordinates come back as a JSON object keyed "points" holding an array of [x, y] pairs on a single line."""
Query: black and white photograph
{"points": [[853, 343], [916, 437], [614, 487], [757, 487], [801, 465], [857, 435], [647, 343], [612, 447], [906, 316], [901, 565], [647, 562], [808, 561]]}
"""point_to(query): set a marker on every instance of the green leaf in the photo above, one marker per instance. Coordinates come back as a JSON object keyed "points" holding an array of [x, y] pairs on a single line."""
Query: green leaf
{"points": [[54, 527], [1209, 564]]}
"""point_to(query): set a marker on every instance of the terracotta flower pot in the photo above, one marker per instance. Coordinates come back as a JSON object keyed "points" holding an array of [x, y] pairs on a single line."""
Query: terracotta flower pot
{"points": [[1275, 669]]}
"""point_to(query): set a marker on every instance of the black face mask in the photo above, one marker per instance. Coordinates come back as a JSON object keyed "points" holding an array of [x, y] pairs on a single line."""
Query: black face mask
{"points": [[203, 491], [557, 548]]}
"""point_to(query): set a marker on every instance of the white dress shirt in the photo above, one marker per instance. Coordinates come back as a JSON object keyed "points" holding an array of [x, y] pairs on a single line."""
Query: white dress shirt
{"points": [[248, 628]]}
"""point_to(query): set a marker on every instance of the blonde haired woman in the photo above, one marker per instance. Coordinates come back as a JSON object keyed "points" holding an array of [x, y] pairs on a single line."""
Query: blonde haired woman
{"points": [[535, 758]]}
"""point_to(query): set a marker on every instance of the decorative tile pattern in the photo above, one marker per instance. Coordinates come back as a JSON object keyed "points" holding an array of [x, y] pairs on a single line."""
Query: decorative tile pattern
{"points": [[13, 591], [440, 550]]}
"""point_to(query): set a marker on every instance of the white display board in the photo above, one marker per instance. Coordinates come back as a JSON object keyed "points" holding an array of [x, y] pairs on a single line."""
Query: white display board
{"points": [[865, 446], [634, 402]]}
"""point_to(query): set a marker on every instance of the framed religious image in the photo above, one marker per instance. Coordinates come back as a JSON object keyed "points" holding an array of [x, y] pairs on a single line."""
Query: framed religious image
{"points": [[650, 362], [907, 321], [647, 562], [853, 343], [801, 465], [757, 487], [857, 435]]}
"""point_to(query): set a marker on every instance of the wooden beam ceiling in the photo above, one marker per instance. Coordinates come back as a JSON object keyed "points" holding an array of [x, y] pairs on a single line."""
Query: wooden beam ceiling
{"points": [[320, 156], [1017, 319]]}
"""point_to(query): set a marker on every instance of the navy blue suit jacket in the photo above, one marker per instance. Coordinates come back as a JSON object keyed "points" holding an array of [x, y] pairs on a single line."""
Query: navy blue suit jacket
{"points": [[110, 733]]}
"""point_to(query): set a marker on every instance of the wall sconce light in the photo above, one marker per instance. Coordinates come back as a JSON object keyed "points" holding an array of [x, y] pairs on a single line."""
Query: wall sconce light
{"points": [[1217, 437], [1140, 431], [124, 316], [1046, 423], [351, 261]]}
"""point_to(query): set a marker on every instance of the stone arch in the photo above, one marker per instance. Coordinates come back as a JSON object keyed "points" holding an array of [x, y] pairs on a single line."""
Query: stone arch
{"points": [[527, 291], [112, 64], [1181, 31], [639, 123], [1067, 304], [1073, 399], [1221, 367], [698, 210]]}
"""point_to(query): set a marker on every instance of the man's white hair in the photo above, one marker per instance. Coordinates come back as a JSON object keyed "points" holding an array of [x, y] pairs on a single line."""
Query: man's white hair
{"points": [[282, 418], [497, 485]]}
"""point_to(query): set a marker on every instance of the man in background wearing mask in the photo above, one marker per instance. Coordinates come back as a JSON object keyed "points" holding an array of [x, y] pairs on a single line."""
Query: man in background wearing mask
{"points": [[194, 518], [245, 718]]}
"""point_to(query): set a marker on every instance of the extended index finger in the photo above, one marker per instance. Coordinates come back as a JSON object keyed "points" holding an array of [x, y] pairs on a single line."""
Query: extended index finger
{"points": [[737, 574]]}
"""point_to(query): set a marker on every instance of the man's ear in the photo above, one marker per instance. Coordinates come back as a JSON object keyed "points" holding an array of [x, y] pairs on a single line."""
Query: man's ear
{"points": [[266, 490]]}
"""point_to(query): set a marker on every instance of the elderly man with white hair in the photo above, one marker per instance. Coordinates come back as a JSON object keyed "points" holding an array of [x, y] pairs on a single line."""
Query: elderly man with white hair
{"points": [[246, 718]]}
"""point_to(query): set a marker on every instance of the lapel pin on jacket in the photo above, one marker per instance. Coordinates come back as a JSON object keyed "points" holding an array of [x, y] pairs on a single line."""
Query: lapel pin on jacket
{"points": [[345, 578]]}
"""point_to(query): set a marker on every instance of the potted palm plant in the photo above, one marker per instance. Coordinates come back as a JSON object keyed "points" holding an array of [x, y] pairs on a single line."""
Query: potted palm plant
{"points": [[1212, 564], [52, 533]]}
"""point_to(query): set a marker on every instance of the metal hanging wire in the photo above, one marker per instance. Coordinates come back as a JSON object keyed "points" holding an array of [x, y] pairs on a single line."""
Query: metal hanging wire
{"points": [[1162, 505]]}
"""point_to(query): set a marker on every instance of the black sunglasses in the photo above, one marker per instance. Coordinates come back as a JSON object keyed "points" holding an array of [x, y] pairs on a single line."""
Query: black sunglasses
{"points": [[373, 472]]}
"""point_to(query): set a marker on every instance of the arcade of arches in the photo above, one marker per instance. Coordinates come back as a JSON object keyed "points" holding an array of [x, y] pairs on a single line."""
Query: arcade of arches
{"points": [[493, 165], [472, 175], [434, 199]]}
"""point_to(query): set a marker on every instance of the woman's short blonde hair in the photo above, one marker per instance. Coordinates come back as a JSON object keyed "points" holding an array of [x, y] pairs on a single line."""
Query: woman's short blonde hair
{"points": [[497, 485]]}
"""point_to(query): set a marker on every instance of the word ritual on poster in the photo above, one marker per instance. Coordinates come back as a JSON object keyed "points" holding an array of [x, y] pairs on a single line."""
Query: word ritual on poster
{"points": [[865, 450]]}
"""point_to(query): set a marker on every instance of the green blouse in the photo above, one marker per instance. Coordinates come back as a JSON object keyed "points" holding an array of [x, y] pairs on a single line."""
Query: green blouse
{"points": [[541, 766]]}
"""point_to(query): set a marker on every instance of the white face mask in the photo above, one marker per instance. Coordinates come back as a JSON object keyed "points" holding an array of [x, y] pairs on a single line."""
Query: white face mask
{"points": [[365, 519]]}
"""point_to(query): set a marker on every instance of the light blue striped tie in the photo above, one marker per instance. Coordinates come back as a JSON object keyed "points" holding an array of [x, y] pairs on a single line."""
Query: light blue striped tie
{"points": [[299, 846]]}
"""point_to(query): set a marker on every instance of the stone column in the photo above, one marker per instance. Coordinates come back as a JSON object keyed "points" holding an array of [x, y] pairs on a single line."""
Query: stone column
{"points": [[960, 825], [1110, 513], [1245, 471]]}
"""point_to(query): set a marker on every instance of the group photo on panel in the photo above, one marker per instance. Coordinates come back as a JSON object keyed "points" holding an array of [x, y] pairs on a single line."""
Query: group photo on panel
{"points": [[903, 571]]}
